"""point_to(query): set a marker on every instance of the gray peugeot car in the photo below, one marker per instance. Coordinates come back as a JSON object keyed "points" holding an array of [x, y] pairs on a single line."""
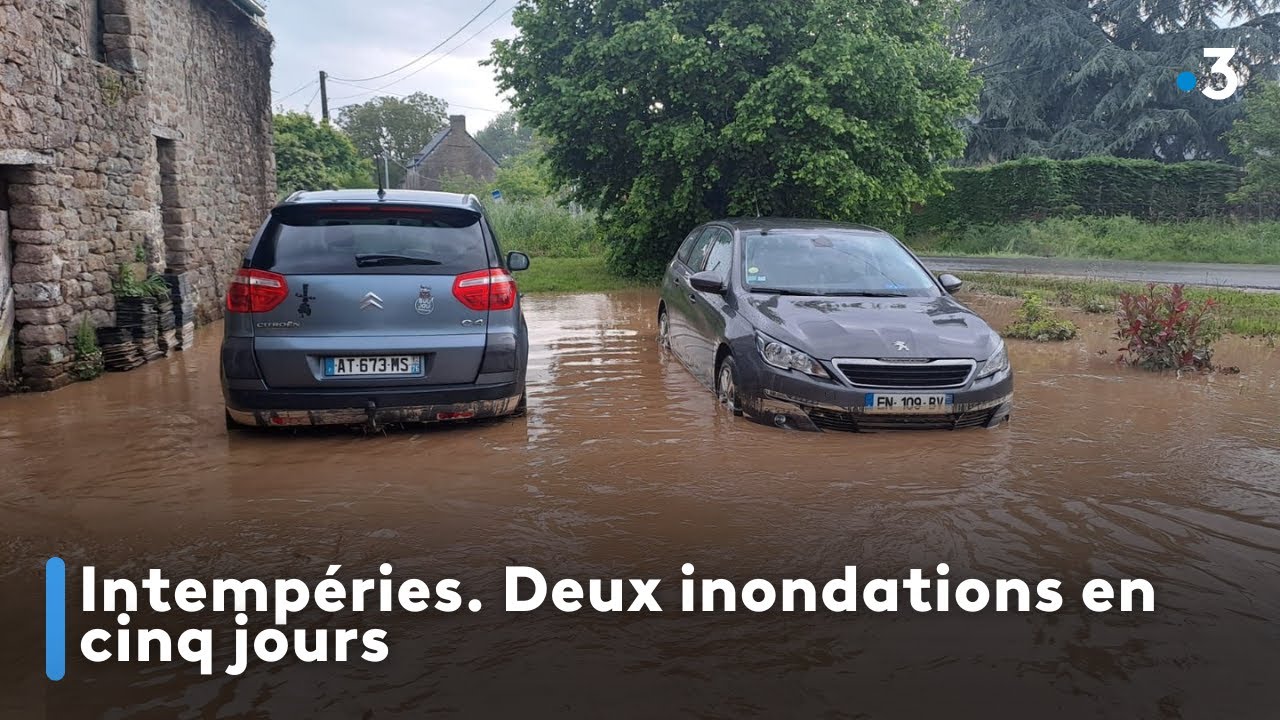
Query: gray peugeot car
{"points": [[824, 326], [374, 307]]}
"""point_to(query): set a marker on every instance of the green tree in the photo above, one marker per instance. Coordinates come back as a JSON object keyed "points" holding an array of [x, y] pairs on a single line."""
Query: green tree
{"points": [[506, 137], [1072, 78], [662, 114], [315, 156], [1256, 140], [398, 126], [525, 177]]}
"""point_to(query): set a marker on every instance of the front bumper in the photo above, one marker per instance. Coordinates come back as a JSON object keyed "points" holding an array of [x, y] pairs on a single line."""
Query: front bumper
{"points": [[254, 405], [794, 400]]}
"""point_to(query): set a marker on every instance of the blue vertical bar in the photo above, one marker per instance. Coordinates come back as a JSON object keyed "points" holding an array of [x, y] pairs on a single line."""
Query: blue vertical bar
{"points": [[55, 618]]}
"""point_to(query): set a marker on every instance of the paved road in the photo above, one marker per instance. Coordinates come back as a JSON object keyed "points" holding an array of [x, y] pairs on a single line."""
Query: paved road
{"points": [[1258, 277]]}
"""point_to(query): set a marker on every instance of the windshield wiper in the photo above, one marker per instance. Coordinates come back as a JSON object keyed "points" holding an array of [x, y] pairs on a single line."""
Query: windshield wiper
{"points": [[369, 259], [870, 293], [782, 291]]}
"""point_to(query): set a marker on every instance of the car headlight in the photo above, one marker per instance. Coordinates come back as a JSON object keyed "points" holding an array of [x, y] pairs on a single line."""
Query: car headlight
{"points": [[997, 363], [785, 357]]}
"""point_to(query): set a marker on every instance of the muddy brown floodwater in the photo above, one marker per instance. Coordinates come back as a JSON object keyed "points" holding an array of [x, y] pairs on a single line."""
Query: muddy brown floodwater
{"points": [[624, 468]]}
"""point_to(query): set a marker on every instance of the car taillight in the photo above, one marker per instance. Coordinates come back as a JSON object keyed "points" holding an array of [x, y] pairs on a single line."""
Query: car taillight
{"points": [[256, 291], [485, 290]]}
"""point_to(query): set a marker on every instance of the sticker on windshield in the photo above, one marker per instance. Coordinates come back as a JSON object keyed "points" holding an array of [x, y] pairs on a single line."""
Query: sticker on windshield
{"points": [[756, 278], [753, 271]]}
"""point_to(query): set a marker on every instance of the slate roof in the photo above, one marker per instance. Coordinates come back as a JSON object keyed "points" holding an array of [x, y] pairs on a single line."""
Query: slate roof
{"points": [[434, 143]]}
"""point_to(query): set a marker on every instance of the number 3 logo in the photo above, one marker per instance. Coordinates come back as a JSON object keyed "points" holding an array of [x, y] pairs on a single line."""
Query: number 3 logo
{"points": [[1223, 68]]}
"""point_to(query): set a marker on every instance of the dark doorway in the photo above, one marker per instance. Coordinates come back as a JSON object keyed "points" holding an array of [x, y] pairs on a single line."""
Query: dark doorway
{"points": [[8, 361]]}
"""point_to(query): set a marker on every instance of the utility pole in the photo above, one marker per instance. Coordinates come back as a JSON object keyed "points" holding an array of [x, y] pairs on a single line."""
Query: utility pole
{"points": [[324, 95]]}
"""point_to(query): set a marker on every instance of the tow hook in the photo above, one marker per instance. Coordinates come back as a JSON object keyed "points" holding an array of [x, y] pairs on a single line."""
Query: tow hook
{"points": [[371, 412]]}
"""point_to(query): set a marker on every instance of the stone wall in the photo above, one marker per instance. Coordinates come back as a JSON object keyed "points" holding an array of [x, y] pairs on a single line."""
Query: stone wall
{"points": [[128, 129], [457, 154]]}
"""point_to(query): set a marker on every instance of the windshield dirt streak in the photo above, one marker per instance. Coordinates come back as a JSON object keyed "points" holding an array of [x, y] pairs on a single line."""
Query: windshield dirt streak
{"points": [[624, 468]]}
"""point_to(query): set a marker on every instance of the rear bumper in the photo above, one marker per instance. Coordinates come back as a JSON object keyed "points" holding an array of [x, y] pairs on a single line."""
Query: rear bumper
{"points": [[261, 407]]}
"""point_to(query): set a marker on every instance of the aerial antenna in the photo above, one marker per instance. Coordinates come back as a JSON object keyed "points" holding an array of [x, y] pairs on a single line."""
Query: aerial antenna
{"points": [[381, 172]]}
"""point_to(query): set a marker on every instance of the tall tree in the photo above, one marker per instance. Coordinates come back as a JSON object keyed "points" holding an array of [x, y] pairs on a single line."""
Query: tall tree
{"points": [[506, 137], [1256, 140], [316, 156], [1070, 78], [399, 126], [663, 113]]}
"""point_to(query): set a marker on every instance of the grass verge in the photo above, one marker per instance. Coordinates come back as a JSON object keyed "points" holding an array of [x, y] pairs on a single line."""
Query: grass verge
{"points": [[1254, 314], [569, 274], [1112, 238]]}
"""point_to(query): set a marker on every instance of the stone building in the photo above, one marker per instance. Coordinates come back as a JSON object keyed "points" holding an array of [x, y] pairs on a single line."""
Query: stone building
{"points": [[130, 131], [451, 153]]}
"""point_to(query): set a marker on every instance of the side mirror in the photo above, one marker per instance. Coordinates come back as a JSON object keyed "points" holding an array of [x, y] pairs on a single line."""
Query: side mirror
{"points": [[517, 261], [950, 283], [707, 281]]}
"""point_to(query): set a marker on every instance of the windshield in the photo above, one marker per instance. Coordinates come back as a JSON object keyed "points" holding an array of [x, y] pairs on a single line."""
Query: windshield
{"points": [[378, 240], [832, 262]]}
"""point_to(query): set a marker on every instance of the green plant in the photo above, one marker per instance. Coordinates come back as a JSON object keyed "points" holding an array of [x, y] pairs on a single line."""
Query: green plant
{"points": [[1165, 330], [88, 356], [1037, 321], [126, 285], [1096, 305]]}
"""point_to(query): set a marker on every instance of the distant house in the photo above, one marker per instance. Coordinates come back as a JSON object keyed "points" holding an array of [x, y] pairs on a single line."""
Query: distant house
{"points": [[451, 153]]}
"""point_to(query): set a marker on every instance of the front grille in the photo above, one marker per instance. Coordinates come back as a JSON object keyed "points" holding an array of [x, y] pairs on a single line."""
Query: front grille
{"points": [[855, 422], [916, 375]]}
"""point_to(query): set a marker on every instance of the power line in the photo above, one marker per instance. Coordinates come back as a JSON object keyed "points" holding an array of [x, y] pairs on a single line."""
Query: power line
{"points": [[277, 92], [427, 53], [404, 95], [295, 92], [424, 67], [307, 107]]}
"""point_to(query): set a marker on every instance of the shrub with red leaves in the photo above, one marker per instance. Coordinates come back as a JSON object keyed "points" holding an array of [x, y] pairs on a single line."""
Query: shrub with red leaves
{"points": [[1166, 331]]}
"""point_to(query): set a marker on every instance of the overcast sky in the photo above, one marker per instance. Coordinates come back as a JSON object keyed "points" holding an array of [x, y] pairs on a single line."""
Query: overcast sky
{"points": [[356, 39]]}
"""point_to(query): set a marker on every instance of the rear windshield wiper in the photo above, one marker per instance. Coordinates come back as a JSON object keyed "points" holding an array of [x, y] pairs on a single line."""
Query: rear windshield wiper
{"points": [[369, 259]]}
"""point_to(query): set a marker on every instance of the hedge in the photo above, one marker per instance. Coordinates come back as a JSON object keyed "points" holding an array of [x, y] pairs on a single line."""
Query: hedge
{"points": [[1035, 188]]}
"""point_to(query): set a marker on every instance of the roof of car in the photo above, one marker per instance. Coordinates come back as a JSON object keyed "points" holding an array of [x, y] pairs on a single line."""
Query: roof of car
{"points": [[398, 197], [771, 224]]}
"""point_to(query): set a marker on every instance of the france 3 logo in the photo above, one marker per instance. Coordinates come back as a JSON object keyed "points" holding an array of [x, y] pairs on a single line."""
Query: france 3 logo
{"points": [[1222, 68]]}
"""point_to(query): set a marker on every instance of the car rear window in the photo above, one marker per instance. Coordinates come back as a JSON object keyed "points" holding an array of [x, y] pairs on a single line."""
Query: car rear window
{"points": [[372, 240]]}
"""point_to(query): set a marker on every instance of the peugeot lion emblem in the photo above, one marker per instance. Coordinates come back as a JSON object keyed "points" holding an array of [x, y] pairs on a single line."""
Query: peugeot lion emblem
{"points": [[901, 346], [425, 303]]}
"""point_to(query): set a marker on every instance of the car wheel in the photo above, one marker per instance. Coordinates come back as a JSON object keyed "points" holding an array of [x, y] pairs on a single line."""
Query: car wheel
{"points": [[664, 329], [727, 385]]}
